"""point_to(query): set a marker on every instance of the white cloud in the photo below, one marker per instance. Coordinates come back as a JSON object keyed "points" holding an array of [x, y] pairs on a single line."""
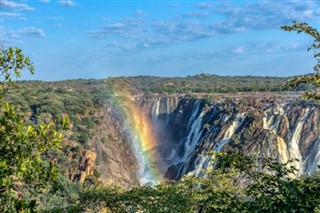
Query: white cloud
{"points": [[125, 28], [239, 50], [31, 32], [106, 18], [204, 5], [23, 19], [140, 34], [249, 50], [11, 5], [14, 37], [56, 18], [265, 15], [175, 5], [9, 15], [59, 25], [132, 34], [141, 13], [68, 3], [196, 14]]}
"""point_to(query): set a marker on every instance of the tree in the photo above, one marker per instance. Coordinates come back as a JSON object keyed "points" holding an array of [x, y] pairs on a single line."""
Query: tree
{"points": [[12, 62], [237, 184], [26, 169], [308, 79]]}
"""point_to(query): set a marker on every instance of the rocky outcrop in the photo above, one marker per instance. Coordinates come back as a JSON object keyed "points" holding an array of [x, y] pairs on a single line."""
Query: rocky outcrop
{"points": [[116, 162], [87, 165], [108, 158], [84, 164], [279, 128], [186, 129]]}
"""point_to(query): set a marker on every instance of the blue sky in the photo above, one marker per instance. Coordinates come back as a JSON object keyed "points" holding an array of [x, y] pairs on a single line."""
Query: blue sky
{"points": [[70, 39]]}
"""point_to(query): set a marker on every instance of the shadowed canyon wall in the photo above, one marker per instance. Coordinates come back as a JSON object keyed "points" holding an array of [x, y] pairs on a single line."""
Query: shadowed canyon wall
{"points": [[186, 129]]}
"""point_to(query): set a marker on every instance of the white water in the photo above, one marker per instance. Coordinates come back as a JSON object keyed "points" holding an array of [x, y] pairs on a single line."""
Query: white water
{"points": [[195, 111], [282, 150], [155, 110], [293, 146], [270, 116], [271, 122], [193, 137], [168, 110], [161, 110], [230, 131], [203, 161], [195, 131], [312, 161]]}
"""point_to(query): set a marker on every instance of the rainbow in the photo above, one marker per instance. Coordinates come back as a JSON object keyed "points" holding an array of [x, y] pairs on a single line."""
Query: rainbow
{"points": [[140, 131]]}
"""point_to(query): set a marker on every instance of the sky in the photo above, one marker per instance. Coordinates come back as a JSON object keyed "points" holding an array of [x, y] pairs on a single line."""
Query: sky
{"points": [[72, 39]]}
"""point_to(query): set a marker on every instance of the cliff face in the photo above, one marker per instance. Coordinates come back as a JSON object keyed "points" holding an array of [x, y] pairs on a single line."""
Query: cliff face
{"points": [[116, 162], [190, 128], [186, 129]]}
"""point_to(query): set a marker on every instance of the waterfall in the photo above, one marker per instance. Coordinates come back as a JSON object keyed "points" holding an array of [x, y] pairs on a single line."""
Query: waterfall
{"points": [[274, 135], [167, 110], [293, 147], [230, 131], [270, 116], [202, 163], [155, 110], [195, 128], [282, 150], [312, 161]]}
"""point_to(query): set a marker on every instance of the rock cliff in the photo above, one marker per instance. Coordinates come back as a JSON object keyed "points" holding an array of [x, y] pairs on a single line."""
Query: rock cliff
{"points": [[186, 129]]}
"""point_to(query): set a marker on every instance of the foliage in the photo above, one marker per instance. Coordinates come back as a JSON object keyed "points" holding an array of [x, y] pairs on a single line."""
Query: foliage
{"points": [[25, 168], [204, 83], [64, 197], [308, 79], [233, 183], [161, 198], [12, 61]]}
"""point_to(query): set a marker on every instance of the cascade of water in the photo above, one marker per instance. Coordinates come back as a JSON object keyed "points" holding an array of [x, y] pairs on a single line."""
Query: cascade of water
{"points": [[293, 147], [195, 111], [312, 161], [230, 131], [193, 136], [282, 150], [167, 110], [194, 127], [155, 110], [202, 162], [225, 119], [268, 119]]}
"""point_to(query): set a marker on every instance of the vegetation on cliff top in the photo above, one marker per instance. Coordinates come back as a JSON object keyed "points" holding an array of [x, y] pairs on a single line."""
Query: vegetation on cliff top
{"points": [[206, 83]]}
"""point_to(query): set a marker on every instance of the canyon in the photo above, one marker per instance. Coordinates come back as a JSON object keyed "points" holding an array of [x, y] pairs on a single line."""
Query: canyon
{"points": [[184, 131]]}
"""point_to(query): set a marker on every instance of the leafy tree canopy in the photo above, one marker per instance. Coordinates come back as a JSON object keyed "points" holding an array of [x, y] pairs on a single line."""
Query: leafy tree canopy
{"points": [[26, 169], [308, 79]]}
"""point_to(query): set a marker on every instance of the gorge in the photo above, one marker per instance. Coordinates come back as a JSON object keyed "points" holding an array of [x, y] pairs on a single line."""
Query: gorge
{"points": [[171, 136]]}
